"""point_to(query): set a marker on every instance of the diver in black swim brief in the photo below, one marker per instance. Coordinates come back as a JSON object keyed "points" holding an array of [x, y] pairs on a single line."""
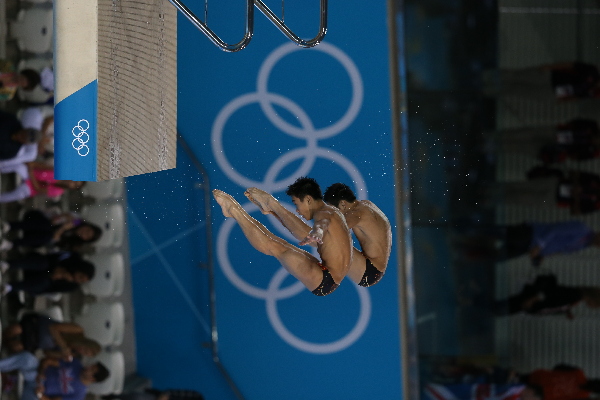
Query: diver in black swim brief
{"points": [[327, 285], [372, 230], [372, 275]]}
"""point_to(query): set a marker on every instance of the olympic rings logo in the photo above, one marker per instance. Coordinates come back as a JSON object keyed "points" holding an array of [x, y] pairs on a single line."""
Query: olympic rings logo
{"points": [[81, 137], [309, 154]]}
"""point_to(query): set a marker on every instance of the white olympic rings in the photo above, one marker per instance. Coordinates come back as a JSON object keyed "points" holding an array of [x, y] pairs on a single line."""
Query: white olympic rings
{"points": [[305, 130], [79, 143]]}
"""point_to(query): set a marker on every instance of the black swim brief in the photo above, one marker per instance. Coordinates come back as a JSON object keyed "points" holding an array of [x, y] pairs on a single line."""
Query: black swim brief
{"points": [[327, 285], [372, 275]]}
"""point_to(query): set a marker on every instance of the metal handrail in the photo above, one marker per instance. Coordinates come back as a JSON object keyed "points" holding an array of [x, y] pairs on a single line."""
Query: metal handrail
{"points": [[278, 22], [214, 334], [291, 35], [230, 48]]}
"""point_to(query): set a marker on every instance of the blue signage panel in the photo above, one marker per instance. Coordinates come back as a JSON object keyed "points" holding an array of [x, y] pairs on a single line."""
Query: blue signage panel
{"points": [[264, 117], [75, 122]]}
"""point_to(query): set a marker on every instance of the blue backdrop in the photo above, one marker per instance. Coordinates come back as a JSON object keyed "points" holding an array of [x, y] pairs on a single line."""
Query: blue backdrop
{"points": [[263, 117]]}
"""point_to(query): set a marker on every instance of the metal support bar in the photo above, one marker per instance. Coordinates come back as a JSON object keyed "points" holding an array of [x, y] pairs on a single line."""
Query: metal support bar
{"points": [[211, 266], [291, 35], [230, 48]]}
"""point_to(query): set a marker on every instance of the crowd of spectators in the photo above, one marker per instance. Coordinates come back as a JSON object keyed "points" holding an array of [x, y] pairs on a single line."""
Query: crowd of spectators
{"points": [[557, 180], [41, 245]]}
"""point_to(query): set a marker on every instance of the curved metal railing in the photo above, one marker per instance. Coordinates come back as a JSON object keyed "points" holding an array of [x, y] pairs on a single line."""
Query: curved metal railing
{"points": [[278, 22], [203, 27]]}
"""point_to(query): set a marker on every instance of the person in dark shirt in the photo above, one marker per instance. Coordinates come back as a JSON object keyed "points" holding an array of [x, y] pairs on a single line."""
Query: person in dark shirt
{"points": [[577, 190], [13, 136], [538, 240], [575, 80], [545, 296], [63, 231], [577, 139], [50, 273]]}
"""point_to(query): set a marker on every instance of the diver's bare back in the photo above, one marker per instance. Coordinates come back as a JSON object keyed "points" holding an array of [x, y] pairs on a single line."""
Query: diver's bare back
{"points": [[336, 248], [373, 232]]}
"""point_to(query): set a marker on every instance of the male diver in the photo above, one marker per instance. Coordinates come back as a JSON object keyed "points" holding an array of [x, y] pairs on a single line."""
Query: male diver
{"points": [[330, 234], [372, 230]]}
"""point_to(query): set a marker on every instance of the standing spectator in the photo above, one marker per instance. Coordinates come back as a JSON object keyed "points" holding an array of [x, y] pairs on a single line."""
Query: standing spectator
{"points": [[563, 81], [545, 297], [536, 239], [577, 190], [563, 382], [577, 139]]}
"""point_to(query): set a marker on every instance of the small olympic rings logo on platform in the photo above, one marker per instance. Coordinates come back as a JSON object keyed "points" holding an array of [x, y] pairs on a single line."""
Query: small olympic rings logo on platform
{"points": [[81, 137], [273, 182]]}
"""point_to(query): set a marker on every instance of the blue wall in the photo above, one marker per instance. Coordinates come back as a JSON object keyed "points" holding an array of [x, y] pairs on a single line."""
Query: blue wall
{"points": [[263, 117]]}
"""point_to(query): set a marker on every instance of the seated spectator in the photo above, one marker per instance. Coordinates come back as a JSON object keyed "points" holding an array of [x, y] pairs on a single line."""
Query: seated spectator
{"points": [[58, 339], [563, 81], [39, 179], [538, 240], [9, 80], [577, 139], [545, 297], [51, 273], [26, 80], [63, 231], [13, 136], [52, 378], [29, 79], [41, 119]]}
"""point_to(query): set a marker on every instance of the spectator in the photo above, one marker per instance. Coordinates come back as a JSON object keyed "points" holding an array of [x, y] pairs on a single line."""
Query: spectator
{"points": [[577, 139], [64, 231], [577, 190], [9, 80], [13, 137], [45, 379], [563, 81], [563, 382], [154, 394], [539, 240], [51, 273], [29, 79], [26, 80], [43, 90], [545, 296], [42, 119], [58, 339], [39, 179]]}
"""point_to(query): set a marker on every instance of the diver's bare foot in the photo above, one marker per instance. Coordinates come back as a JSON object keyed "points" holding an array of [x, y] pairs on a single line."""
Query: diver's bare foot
{"points": [[261, 198], [225, 201]]}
